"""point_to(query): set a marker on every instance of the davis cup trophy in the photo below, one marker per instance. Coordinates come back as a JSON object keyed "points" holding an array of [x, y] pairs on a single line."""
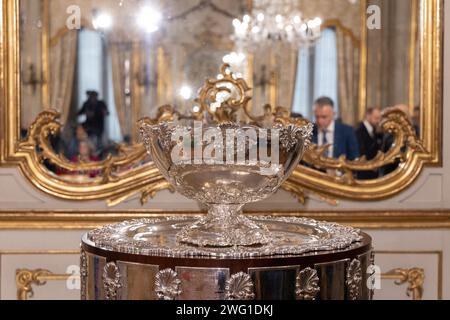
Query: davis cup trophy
{"points": [[225, 164], [224, 157]]}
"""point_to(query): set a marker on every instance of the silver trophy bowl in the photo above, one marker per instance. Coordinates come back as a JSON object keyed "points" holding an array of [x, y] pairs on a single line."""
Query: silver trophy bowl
{"points": [[225, 165], [222, 182]]}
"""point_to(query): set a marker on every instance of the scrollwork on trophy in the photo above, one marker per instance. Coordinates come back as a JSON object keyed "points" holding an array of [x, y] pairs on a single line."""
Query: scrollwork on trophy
{"points": [[239, 287], [111, 281], [83, 274], [354, 280], [290, 135], [167, 285], [307, 285]]}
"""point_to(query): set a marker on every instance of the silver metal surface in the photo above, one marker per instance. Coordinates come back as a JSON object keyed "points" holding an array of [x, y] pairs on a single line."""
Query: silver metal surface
{"points": [[138, 281], [332, 277], [276, 283], [158, 237], [203, 283], [96, 265], [366, 292]]}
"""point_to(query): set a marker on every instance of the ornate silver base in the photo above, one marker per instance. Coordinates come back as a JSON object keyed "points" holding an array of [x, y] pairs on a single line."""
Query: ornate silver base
{"points": [[225, 226], [306, 260]]}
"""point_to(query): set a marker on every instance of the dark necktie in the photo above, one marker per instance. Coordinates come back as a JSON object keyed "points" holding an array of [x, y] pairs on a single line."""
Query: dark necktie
{"points": [[324, 137], [325, 142]]}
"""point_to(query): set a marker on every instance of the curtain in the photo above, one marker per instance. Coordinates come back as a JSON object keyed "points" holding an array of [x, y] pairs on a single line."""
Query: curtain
{"points": [[302, 95], [63, 56], [147, 81], [317, 75], [120, 70], [113, 123], [326, 68], [288, 75], [348, 75]]}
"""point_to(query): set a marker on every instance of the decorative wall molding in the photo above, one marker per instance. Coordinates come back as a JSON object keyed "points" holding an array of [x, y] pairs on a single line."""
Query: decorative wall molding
{"points": [[85, 220]]}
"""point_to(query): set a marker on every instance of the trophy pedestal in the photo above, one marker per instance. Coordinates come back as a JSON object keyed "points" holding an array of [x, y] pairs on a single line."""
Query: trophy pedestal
{"points": [[305, 260]]}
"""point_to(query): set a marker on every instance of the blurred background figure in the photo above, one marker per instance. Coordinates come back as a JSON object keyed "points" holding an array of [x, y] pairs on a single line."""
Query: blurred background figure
{"points": [[370, 139], [86, 155], [72, 145], [328, 131], [96, 112]]}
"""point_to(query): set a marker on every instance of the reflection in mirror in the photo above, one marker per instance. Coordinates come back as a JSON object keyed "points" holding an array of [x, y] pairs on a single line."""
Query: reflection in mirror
{"points": [[103, 65]]}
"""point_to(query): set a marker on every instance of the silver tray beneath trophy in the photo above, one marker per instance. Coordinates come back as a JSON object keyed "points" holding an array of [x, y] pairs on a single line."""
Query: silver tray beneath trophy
{"points": [[158, 237]]}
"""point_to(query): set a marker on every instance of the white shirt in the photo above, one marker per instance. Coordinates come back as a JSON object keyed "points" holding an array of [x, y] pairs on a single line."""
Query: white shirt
{"points": [[330, 138], [369, 128]]}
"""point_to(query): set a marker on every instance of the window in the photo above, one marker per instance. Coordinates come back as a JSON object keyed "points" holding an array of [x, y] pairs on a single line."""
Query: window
{"points": [[94, 72], [317, 74]]}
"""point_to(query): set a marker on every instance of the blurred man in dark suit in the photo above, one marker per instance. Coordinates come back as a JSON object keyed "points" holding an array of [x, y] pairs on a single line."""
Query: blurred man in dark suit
{"points": [[370, 140], [327, 131], [96, 112]]}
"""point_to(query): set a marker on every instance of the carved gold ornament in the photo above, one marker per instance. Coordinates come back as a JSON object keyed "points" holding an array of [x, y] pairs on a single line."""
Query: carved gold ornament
{"points": [[26, 279], [414, 277]]}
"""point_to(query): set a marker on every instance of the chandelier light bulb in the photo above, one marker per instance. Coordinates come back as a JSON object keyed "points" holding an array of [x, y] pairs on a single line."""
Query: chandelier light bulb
{"points": [[102, 21], [234, 58], [279, 18], [255, 29], [149, 19], [186, 92]]}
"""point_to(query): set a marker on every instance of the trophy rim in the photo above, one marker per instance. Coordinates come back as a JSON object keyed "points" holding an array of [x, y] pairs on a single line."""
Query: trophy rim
{"points": [[337, 238]]}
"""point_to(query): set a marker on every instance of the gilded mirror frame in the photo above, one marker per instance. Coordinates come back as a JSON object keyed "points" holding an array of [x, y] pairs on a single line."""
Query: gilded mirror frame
{"points": [[146, 179]]}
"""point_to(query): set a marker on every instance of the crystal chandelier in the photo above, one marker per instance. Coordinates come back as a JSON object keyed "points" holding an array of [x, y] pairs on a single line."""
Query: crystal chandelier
{"points": [[275, 22]]}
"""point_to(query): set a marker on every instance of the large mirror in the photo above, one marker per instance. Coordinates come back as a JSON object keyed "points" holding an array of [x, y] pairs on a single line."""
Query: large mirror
{"points": [[103, 65]]}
